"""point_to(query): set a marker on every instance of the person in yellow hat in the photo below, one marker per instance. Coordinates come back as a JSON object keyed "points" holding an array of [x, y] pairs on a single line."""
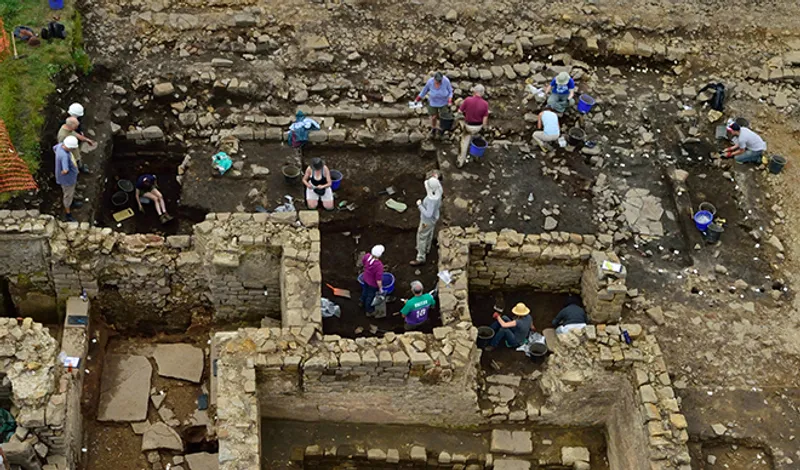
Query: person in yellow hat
{"points": [[508, 332]]}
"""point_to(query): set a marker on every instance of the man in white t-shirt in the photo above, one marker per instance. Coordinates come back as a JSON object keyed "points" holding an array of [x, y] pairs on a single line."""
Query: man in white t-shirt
{"points": [[550, 130], [749, 148]]}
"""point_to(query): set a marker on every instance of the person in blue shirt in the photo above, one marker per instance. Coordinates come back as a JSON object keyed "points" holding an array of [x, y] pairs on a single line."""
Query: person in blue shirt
{"points": [[67, 173], [440, 97], [550, 130], [562, 92], [147, 188]]}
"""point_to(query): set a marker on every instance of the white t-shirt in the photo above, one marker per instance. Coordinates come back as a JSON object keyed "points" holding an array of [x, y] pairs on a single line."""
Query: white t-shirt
{"points": [[550, 123], [749, 140]]}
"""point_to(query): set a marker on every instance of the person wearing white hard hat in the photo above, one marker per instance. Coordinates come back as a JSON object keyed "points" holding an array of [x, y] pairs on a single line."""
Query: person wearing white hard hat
{"points": [[563, 92], [76, 110], [428, 216], [67, 173], [70, 127], [372, 278]]}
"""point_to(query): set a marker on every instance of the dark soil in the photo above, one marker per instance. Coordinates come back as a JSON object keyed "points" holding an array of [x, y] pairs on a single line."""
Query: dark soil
{"points": [[128, 163]]}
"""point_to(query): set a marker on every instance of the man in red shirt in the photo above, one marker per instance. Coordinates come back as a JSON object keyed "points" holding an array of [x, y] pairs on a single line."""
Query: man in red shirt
{"points": [[476, 115]]}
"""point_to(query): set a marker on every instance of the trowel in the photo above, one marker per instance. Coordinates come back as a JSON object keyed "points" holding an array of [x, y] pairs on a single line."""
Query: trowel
{"points": [[390, 191]]}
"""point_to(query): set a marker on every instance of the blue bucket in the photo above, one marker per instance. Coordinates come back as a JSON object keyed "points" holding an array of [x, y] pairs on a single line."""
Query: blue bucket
{"points": [[702, 219], [585, 103], [477, 147], [336, 179], [56, 4], [388, 282]]}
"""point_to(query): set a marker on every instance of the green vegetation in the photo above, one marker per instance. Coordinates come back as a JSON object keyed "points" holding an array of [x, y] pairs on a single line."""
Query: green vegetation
{"points": [[27, 82]]}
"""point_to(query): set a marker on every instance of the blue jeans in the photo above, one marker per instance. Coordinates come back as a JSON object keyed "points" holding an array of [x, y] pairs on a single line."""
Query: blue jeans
{"points": [[503, 335], [750, 156], [367, 295]]}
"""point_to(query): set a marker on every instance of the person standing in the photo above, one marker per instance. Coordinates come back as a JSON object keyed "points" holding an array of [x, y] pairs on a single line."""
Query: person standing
{"points": [[748, 149], [476, 115], [372, 278], [415, 310], [508, 332], [76, 110], [563, 92], [70, 127], [440, 95], [317, 180], [147, 188], [297, 136], [550, 130], [571, 317], [67, 173], [428, 216]]}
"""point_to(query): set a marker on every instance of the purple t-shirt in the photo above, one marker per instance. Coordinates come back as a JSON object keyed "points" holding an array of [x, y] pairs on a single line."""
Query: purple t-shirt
{"points": [[373, 270]]}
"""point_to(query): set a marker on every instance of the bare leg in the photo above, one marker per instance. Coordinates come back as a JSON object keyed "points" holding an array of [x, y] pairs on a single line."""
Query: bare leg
{"points": [[327, 205], [312, 203], [160, 200], [154, 198]]}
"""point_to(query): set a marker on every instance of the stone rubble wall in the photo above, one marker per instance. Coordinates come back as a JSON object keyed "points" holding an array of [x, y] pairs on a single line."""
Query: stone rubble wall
{"points": [[550, 262], [297, 373], [238, 264], [581, 360]]}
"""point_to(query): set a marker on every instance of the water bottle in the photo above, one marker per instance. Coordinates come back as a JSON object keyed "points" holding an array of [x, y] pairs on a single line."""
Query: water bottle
{"points": [[84, 295], [626, 337]]}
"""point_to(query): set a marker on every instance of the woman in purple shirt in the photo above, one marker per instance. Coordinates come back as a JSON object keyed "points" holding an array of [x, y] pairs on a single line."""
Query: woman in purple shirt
{"points": [[372, 277], [440, 95]]}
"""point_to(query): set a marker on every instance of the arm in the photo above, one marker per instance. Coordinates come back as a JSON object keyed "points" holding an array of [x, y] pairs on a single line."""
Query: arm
{"points": [[486, 118], [83, 138], [60, 165], [571, 88], [426, 212], [306, 176], [138, 201], [424, 91], [506, 324], [449, 91], [547, 89], [559, 319], [380, 278], [539, 123]]}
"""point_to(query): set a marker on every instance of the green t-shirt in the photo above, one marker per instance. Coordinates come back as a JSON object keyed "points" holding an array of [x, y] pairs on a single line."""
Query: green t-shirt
{"points": [[416, 308]]}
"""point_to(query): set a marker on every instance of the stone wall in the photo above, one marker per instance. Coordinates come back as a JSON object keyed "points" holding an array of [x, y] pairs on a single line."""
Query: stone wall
{"points": [[550, 262], [239, 265]]}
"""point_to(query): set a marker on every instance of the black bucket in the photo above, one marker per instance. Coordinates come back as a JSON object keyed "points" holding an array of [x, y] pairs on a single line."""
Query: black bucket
{"points": [[776, 164], [290, 173], [576, 136], [712, 233], [485, 335], [119, 198]]}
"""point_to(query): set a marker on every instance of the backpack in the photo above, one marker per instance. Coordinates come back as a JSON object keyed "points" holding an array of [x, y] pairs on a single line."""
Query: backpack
{"points": [[54, 30], [717, 100]]}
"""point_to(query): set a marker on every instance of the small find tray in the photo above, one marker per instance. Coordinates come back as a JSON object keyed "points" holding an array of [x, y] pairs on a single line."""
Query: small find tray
{"points": [[123, 215]]}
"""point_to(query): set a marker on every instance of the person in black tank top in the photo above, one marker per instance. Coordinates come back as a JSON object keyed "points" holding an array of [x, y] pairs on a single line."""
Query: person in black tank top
{"points": [[317, 180]]}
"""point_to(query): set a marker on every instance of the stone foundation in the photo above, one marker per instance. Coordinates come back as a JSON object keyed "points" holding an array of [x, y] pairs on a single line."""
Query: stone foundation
{"points": [[242, 266], [550, 262]]}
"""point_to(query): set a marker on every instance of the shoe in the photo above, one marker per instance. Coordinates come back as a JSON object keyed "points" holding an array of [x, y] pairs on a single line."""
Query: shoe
{"points": [[416, 263], [370, 314], [76, 205], [489, 348], [69, 218], [165, 218]]}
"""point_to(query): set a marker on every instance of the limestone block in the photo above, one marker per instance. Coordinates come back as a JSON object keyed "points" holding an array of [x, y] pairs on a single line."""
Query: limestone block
{"points": [[350, 359]]}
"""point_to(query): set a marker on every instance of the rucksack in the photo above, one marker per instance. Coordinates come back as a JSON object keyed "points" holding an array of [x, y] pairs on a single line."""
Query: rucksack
{"points": [[54, 30], [717, 100]]}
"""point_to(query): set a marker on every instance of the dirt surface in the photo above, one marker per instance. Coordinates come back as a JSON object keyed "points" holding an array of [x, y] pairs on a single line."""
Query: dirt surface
{"points": [[280, 437]]}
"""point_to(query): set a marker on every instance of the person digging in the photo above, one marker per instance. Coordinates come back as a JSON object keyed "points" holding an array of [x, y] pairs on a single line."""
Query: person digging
{"points": [[749, 148], [147, 188], [511, 333]]}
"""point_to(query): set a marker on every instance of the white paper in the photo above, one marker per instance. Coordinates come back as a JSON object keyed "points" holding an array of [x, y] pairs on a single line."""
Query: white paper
{"points": [[609, 266]]}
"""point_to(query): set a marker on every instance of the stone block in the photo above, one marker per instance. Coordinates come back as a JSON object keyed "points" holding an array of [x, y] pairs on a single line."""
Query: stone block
{"points": [[509, 464], [350, 359], [418, 454], [571, 455], [511, 442]]}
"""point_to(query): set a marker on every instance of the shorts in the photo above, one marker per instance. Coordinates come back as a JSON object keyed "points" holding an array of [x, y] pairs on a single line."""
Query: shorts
{"points": [[434, 111], [312, 196], [68, 195]]}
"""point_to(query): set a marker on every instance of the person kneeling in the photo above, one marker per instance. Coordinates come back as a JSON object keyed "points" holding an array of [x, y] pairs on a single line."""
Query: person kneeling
{"points": [[416, 309], [317, 180], [146, 188], [571, 317], [511, 333]]}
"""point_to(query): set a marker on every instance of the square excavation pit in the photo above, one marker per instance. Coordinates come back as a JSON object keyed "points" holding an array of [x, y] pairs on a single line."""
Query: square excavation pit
{"points": [[592, 379], [127, 162]]}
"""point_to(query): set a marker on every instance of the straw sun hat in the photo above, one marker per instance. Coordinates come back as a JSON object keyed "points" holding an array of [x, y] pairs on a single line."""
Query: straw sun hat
{"points": [[520, 310]]}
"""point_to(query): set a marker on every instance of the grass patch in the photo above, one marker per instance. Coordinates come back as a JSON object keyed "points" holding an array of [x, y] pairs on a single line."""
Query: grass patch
{"points": [[26, 83]]}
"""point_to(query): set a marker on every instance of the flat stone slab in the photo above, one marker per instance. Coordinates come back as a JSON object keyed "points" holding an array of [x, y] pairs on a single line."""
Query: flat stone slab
{"points": [[124, 389], [179, 361], [202, 461], [161, 436], [511, 442], [507, 464]]}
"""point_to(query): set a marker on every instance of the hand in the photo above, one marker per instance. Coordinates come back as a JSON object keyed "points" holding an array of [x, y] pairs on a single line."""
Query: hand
{"points": [[496, 315], [419, 202], [141, 209], [64, 172], [91, 142], [417, 99], [450, 101]]}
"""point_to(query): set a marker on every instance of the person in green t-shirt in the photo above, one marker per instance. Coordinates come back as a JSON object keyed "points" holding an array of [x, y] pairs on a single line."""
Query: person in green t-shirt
{"points": [[416, 309]]}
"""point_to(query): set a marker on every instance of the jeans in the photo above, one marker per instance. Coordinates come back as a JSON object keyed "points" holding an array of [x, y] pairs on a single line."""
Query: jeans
{"points": [[750, 156], [367, 296], [503, 335], [558, 102]]}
